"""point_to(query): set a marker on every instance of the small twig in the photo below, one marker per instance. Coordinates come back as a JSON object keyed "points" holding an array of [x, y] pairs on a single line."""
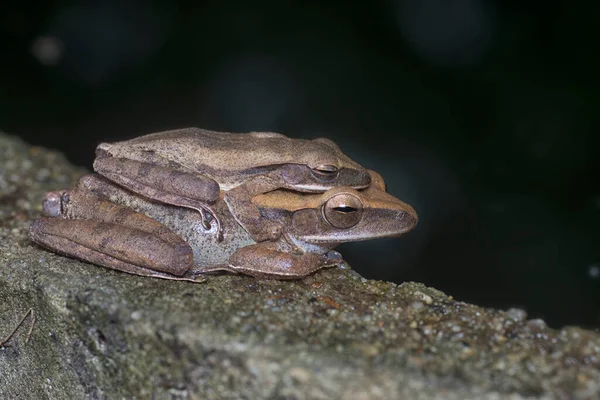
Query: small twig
{"points": [[31, 327], [11, 334]]}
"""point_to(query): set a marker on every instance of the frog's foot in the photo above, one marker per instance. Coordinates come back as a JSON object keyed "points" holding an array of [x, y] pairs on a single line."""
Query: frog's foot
{"points": [[52, 203], [335, 259], [206, 212], [261, 230], [117, 247], [269, 231], [208, 215]]}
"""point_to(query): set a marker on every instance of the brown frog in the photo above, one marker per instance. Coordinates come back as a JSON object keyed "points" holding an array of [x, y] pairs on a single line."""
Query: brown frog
{"points": [[190, 167], [102, 223]]}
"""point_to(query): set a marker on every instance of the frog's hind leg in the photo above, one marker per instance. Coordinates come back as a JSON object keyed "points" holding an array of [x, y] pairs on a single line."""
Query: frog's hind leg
{"points": [[107, 248], [116, 237], [166, 185], [114, 246]]}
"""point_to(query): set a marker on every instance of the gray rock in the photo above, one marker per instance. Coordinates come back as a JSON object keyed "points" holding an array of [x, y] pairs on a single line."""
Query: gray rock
{"points": [[100, 334]]}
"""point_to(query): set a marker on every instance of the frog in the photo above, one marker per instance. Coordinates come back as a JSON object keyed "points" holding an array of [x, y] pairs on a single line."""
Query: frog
{"points": [[102, 223], [190, 167]]}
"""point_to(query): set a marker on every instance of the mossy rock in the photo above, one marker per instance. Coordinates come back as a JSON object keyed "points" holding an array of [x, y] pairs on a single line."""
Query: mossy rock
{"points": [[101, 334]]}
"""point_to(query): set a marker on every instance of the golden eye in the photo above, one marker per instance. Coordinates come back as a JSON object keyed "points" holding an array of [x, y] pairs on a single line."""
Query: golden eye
{"points": [[343, 211], [327, 168], [325, 171]]}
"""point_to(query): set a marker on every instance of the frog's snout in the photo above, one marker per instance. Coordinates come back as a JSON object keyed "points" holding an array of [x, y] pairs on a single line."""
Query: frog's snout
{"points": [[355, 178], [409, 215], [52, 205]]}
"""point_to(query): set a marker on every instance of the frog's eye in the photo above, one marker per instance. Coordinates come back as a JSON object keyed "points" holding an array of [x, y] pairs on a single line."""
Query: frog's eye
{"points": [[325, 171], [343, 211]]}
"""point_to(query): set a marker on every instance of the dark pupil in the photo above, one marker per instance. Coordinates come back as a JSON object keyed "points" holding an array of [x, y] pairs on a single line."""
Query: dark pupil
{"points": [[345, 209], [327, 169]]}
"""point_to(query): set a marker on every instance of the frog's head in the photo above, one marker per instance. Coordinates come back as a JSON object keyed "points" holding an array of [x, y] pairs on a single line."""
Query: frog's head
{"points": [[343, 214], [321, 166]]}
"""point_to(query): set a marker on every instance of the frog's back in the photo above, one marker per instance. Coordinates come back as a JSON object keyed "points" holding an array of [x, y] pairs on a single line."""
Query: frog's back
{"points": [[224, 153], [202, 138]]}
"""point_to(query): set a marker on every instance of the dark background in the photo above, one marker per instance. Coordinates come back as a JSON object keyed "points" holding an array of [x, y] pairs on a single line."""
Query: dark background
{"points": [[481, 114]]}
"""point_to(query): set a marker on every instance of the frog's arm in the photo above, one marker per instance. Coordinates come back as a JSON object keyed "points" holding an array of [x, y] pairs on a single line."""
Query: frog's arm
{"points": [[247, 214], [264, 261]]}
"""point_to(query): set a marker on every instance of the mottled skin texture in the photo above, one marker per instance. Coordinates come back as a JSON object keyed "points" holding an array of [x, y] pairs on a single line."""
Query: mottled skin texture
{"points": [[189, 167], [104, 224]]}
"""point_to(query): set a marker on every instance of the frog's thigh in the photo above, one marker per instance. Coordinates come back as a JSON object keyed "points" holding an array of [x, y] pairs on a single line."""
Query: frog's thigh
{"points": [[89, 206], [114, 246], [260, 261], [157, 182]]}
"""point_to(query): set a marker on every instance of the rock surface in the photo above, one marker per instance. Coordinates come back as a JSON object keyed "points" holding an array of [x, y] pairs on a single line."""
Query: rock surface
{"points": [[100, 334]]}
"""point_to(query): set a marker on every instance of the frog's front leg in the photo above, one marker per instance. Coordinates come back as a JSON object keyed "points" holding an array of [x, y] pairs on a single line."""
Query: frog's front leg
{"points": [[162, 184], [239, 202], [264, 261], [115, 237]]}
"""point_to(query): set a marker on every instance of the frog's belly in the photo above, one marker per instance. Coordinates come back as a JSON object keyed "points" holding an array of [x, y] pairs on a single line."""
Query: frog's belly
{"points": [[187, 223], [208, 251]]}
